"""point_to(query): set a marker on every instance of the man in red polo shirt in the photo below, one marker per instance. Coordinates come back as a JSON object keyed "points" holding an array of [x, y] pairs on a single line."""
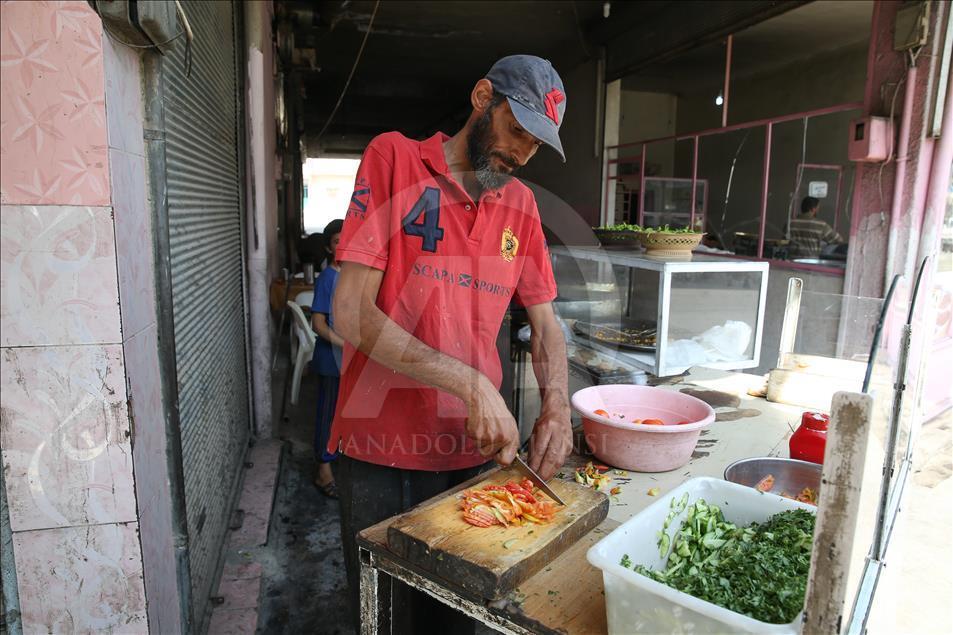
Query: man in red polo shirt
{"points": [[439, 238]]}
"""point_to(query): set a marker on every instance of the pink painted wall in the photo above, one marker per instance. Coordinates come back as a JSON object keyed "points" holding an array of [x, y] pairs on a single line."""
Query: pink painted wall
{"points": [[140, 336], [883, 245], [77, 331]]}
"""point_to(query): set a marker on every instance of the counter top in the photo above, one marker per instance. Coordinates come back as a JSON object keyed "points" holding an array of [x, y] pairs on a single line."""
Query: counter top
{"points": [[637, 259], [567, 596]]}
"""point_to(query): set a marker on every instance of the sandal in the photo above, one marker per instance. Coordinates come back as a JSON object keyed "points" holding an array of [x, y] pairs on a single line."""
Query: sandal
{"points": [[329, 489]]}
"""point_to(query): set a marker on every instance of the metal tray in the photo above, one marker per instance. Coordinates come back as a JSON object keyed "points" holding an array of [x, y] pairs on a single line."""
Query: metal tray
{"points": [[591, 332]]}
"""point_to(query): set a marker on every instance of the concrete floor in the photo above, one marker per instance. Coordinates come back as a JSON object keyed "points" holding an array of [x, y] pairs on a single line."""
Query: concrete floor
{"points": [[303, 581], [917, 583]]}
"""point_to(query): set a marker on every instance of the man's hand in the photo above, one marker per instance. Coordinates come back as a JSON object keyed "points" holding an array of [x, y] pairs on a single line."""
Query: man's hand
{"points": [[551, 442], [490, 424]]}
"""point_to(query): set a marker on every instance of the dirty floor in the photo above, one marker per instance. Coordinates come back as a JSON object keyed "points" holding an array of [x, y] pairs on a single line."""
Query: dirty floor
{"points": [[303, 580]]}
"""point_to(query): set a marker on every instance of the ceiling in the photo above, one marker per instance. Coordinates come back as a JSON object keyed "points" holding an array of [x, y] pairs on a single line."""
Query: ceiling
{"points": [[422, 58], [808, 31]]}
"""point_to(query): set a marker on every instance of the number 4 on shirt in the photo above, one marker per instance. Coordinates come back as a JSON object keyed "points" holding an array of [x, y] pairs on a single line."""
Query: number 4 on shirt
{"points": [[428, 228]]}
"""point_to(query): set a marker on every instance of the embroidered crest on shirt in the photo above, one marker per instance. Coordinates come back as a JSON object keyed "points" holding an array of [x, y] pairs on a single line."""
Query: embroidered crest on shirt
{"points": [[509, 245]]}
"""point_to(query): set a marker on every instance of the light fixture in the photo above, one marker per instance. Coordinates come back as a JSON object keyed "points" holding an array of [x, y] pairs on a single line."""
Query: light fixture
{"points": [[606, 8], [720, 99]]}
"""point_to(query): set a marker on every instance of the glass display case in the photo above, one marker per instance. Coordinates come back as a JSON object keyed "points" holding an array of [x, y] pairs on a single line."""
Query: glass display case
{"points": [[673, 314]]}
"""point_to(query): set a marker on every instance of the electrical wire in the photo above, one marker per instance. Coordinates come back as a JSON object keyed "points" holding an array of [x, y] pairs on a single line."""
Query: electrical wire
{"points": [[731, 174], [186, 31], [357, 59], [582, 37], [883, 164], [119, 40]]}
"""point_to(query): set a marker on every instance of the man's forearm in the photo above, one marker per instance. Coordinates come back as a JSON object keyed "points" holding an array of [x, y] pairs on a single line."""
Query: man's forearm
{"points": [[550, 366], [387, 343]]}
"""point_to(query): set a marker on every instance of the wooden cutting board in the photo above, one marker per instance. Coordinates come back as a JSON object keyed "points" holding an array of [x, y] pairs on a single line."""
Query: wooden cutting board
{"points": [[434, 537]]}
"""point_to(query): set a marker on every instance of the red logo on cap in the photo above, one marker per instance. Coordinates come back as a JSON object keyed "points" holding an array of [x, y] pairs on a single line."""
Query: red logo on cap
{"points": [[553, 99]]}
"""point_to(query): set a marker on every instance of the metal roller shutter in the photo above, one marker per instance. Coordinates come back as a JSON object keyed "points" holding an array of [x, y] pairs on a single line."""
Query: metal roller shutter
{"points": [[205, 236]]}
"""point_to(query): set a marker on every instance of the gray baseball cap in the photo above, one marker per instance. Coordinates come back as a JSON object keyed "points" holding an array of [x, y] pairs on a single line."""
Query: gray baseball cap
{"points": [[535, 94]]}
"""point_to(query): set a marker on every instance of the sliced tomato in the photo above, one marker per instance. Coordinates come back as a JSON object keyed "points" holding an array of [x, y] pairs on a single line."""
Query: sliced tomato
{"points": [[765, 484], [653, 422], [600, 412], [682, 423]]}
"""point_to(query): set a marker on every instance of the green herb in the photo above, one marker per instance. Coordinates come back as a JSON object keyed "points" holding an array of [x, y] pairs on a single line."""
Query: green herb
{"points": [[621, 227], [665, 229], [759, 570], [626, 561]]}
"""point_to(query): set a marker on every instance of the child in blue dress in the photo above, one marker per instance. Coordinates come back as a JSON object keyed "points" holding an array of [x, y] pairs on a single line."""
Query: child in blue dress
{"points": [[326, 362]]}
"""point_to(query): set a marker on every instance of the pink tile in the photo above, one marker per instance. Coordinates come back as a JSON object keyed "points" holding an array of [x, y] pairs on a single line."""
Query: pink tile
{"points": [[80, 579], [53, 138], [158, 561], [123, 97], [134, 252], [152, 480], [64, 432], [258, 493], [233, 622], [240, 594], [58, 282], [141, 357]]}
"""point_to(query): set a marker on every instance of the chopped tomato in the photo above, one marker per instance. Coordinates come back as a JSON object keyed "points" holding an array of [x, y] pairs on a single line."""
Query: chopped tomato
{"points": [[600, 412], [765, 484], [682, 423], [653, 422], [509, 504]]}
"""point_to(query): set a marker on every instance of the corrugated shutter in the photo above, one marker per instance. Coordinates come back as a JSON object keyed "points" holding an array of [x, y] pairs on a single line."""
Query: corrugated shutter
{"points": [[204, 181]]}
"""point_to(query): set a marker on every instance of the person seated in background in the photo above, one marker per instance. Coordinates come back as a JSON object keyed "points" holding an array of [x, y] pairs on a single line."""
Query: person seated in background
{"points": [[326, 362], [312, 249], [808, 233]]}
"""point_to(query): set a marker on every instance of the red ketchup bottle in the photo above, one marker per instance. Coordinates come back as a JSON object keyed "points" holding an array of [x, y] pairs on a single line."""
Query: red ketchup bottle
{"points": [[807, 442]]}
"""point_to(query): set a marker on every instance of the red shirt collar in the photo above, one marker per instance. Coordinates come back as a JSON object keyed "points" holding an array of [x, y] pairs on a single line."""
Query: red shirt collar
{"points": [[431, 152]]}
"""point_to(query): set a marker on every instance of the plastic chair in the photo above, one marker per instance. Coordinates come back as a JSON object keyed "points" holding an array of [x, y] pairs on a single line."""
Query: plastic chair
{"points": [[305, 338], [305, 298]]}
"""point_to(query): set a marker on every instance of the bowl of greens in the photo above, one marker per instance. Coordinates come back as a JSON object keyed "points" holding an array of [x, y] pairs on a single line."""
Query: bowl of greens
{"points": [[666, 241], [708, 556], [620, 235]]}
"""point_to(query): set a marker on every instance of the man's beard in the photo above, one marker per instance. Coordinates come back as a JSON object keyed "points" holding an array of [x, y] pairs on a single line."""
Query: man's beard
{"points": [[479, 152]]}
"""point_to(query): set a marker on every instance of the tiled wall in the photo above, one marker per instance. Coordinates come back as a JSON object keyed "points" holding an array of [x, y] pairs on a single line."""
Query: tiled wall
{"points": [[78, 332], [140, 337]]}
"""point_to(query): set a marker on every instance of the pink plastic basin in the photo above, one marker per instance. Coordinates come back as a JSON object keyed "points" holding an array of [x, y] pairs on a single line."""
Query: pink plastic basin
{"points": [[640, 447]]}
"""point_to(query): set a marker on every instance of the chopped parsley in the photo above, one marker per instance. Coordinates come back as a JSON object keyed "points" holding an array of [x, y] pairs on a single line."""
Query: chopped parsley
{"points": [[759, 570]]}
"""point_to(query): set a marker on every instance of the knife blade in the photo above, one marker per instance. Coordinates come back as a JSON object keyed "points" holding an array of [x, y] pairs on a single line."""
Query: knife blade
{"points": [[521, 465]]}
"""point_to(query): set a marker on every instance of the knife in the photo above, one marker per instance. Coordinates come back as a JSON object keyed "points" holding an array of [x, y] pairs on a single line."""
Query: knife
{"points": [[527, 471]]}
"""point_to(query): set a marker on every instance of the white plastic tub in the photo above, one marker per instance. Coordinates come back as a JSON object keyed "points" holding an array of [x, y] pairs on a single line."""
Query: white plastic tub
{"points": [[637, 604]]}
